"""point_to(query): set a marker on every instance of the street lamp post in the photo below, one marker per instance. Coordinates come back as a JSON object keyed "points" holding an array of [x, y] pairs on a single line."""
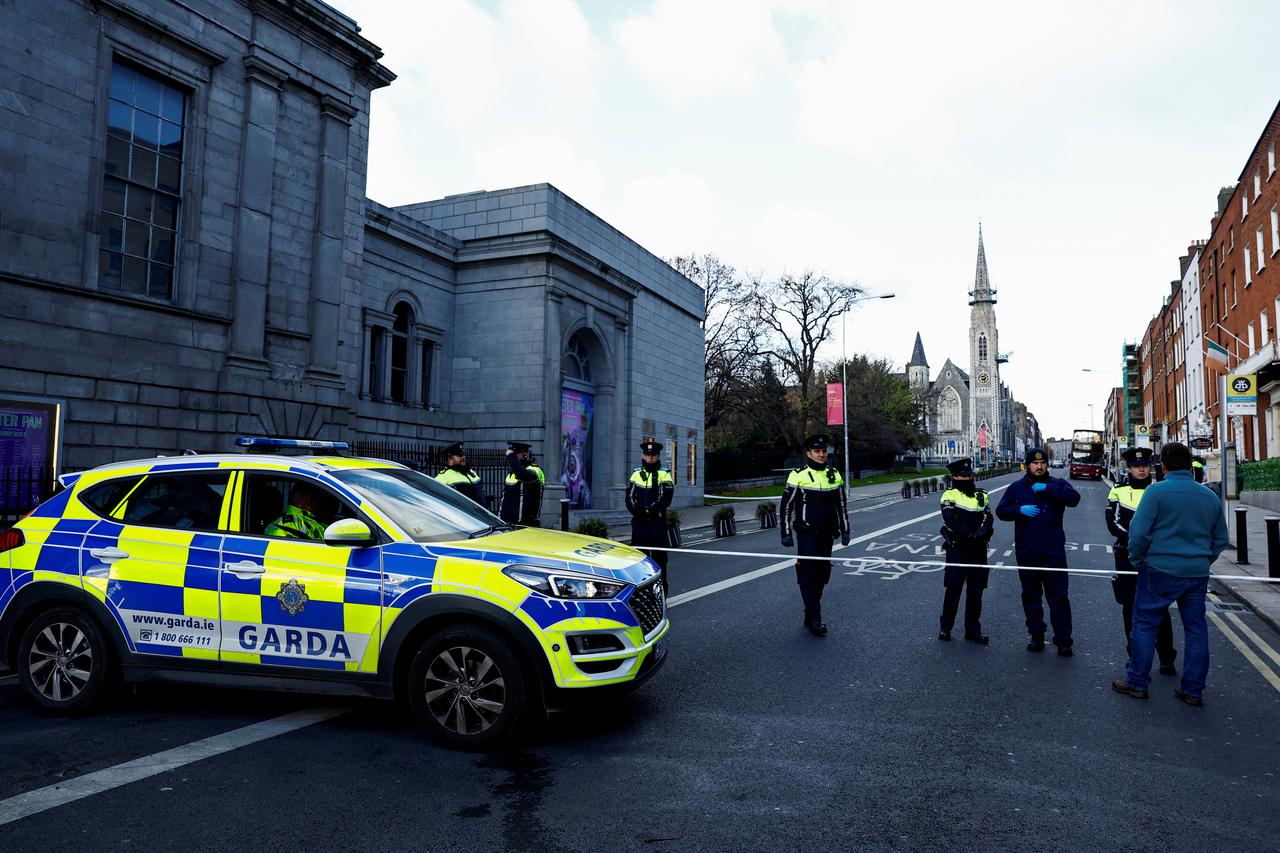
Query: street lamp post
{"points": [[844, 379]]}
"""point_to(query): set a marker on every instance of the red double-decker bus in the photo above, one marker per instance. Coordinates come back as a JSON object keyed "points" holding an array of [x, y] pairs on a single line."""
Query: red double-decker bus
{"points": [[1087, 454]]}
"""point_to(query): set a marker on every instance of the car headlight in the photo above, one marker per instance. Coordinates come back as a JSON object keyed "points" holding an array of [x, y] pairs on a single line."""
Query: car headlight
{"points": [[559, 585]]}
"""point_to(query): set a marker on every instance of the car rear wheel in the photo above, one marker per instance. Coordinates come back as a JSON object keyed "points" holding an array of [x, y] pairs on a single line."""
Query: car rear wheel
{"points": [[467, 688], [63, 661]]}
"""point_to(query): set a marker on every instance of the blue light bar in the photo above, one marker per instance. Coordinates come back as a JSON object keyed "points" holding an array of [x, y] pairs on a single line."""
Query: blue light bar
{"points": [[261, 442]]}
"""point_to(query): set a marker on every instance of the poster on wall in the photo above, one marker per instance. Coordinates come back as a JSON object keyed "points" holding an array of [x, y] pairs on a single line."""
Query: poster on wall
{"points": [[575, 446], [29, 451]]}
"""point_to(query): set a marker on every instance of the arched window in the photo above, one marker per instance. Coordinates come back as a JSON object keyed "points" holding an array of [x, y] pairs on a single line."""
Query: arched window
{"points": [[403, 313], [949, 411], [982, 347], [577, 361]]}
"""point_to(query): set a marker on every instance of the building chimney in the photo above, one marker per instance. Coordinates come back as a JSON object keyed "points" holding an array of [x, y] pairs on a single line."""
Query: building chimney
{"points": [[1224, 196], [1183, 263]]}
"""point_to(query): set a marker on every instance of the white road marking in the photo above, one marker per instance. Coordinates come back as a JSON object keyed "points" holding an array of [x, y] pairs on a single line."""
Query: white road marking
{"points": [[719, 586], [1248, 653], [61, 793]]}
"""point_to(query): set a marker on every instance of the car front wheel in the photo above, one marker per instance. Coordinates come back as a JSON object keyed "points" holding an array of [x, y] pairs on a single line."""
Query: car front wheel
{"points": [[466, 687], [63, 661]]}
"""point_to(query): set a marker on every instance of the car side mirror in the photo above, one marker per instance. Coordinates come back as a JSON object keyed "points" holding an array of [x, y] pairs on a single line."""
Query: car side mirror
{"points": [[348, 531]]}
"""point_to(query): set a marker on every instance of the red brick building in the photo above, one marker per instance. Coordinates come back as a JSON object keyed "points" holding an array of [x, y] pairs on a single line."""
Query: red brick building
{"points": [[1240, 293]]}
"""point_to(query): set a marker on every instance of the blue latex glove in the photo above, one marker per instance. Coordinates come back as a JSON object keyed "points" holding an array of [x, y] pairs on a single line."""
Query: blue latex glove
{"points": [[1039, 487], [788, 542], [844, 538], [1030, 510]]}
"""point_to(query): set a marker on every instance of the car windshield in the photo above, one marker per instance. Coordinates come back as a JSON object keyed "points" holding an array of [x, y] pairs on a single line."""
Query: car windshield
{"points": [[426, 510]]}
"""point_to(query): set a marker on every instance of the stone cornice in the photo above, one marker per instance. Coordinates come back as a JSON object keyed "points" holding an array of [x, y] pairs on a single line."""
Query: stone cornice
{"points": [[159, 31]]}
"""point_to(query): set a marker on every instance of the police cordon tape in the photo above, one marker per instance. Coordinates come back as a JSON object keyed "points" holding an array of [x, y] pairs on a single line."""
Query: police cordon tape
{"points": [[883, 561]]}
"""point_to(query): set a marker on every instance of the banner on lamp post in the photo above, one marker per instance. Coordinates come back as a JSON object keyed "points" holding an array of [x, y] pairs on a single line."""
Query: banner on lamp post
{"points": [[835, 404]]}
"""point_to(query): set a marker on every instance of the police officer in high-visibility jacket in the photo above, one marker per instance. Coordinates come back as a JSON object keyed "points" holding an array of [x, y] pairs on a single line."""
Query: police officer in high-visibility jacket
{"points": [[522, 490], [1035, 504], [1122, 503], [1197, 468], [649, 492], [816, 498], [459, 476], [966, 529]]}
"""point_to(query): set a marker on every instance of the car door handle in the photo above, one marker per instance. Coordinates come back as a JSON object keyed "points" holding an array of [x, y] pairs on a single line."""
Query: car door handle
{"points": [[108, 555], [244, 567]]}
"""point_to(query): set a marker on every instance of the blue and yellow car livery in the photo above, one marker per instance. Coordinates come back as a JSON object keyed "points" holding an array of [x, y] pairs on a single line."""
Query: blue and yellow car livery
{"points": [[169, 560]]}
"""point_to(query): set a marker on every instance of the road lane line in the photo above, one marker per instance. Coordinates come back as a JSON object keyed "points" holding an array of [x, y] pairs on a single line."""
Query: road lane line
{"points": [[61, 793], [719, 586], [1257, 641], [1249, 655]]}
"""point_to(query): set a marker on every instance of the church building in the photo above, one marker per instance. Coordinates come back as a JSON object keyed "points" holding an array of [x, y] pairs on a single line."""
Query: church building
{"points": [[970, 413]]}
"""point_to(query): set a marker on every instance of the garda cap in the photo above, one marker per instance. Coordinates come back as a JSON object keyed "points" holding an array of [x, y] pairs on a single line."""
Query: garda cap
{"points": [[1135, 456], [1036, 454], [817, 442], [455, 449], [519, 446], [961, 468], [651, 448]]}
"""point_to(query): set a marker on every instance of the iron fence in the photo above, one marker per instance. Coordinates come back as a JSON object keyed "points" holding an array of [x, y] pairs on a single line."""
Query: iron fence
{"points": [[489, 462], [23, 488]]}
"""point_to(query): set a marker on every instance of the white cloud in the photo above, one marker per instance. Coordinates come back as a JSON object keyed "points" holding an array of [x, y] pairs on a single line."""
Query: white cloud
{"points": [[531, 158], [669, 214], [693, 49]]}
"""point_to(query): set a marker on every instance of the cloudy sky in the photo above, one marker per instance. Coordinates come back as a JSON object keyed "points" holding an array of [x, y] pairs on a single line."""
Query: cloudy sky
{"points": [[863, 140]]}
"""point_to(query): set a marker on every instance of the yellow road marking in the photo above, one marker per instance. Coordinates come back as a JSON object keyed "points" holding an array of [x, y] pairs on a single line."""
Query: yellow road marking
{"points": [[1248, 653], [1257, 641]]}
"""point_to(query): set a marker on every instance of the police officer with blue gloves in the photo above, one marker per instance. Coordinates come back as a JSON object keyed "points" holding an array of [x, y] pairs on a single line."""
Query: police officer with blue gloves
{"points": [[650, 489], [815, 496], [966, 529], [1122, 503], [1035, 504]]}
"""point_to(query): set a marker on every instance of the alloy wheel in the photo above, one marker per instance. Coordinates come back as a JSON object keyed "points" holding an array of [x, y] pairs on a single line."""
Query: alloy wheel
{"points": [[61, 662], [464, 690]]}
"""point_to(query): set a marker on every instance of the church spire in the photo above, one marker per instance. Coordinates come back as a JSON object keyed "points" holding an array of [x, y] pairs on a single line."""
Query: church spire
{"points": [[982, 291], [917, 354]]}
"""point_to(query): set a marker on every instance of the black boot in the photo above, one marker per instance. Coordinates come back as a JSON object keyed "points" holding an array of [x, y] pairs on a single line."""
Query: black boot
{"points": [[1036, 644]]}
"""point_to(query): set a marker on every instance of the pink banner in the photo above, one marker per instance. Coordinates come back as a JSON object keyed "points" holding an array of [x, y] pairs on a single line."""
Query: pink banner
{"points": [[835, 404]]}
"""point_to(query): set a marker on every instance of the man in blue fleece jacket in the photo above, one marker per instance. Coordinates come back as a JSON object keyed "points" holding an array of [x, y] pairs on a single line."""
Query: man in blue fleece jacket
{"points": [[1176, 534], [1035, 504]]}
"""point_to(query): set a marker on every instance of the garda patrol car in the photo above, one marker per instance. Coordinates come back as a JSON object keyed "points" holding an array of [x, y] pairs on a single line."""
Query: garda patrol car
{"points": [[163, 569]]}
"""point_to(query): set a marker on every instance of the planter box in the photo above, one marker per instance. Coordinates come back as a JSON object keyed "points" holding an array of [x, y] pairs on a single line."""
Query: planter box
{"points": [[768, 520], [673, 536], [726, 527]]}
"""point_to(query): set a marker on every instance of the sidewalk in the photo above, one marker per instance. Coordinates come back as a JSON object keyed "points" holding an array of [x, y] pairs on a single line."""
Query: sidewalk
{"points": [[1262, 598]]}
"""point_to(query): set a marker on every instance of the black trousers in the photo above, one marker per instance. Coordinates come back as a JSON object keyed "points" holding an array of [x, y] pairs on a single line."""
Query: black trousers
{"points": [[970, 581], [812, 575], [1124, 587], [1038, 585], [652, 532]]}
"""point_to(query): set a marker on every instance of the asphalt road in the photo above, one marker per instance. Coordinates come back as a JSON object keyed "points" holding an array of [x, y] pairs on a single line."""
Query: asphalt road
{"points": [[754, 736]]}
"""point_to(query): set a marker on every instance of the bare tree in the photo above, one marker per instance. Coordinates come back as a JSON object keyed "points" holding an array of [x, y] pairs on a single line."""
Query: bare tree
{"points": [[731, 339], [798, 312]]}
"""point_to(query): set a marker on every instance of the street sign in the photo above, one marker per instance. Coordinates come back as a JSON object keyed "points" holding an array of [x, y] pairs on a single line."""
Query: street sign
{"points": [[1141, 435], [835, 404], [1242, 394], [1202, 442]]}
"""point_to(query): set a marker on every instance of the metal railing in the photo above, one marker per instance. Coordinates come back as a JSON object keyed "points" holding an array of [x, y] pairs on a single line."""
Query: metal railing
{"points": [[23, 488], [489, 462]]}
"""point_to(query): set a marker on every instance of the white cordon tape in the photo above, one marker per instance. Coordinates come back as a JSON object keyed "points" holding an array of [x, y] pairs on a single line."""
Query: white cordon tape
{"points": [[882, 561], [774, 499]]}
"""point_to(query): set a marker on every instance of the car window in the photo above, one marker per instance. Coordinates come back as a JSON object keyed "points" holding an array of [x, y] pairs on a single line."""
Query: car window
{"points": [[105, 497], [290, 508], [423, 508], [189, 500]]}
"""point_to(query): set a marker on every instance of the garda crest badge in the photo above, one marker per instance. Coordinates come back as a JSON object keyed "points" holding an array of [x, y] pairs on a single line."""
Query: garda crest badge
{"points": [[293, 597], [660, 594]]}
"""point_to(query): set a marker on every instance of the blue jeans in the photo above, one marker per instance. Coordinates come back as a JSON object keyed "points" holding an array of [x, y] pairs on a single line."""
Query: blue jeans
{"points": [[1156, 591]]}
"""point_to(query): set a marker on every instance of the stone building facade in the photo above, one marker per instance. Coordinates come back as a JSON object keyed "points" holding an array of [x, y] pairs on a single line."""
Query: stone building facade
{"points": [[187, 254]]}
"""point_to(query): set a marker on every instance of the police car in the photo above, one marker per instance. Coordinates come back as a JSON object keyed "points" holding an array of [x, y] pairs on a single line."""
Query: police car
{"points": [[188, 569]]}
